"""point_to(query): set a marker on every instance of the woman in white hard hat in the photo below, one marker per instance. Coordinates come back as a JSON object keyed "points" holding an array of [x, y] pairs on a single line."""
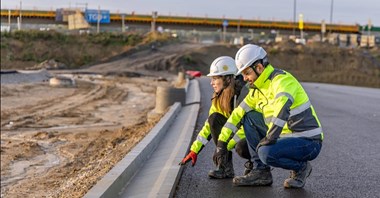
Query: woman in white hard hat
{"points": [[226, 92]]}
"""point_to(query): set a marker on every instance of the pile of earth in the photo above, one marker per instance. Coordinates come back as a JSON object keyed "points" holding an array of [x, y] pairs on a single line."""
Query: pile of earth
{"points": [[315, 62]]}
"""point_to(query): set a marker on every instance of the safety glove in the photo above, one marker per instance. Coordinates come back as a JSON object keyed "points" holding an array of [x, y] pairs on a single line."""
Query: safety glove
{"points": [[191, 156], [265, 141], [220, 151]]}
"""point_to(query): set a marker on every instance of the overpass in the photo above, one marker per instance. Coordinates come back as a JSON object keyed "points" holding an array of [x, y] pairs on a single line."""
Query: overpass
{"points": [[195, 21]]}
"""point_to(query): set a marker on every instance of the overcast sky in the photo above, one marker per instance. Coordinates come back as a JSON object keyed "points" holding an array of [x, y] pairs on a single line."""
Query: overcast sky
{"points": [[344, 11]]}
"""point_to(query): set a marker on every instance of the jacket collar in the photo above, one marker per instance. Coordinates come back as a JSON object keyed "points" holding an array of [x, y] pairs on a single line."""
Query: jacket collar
{"points": [[263, 76]]}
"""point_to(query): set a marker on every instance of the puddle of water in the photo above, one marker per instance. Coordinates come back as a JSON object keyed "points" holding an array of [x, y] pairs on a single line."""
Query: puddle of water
{"points": [[24, 168]]}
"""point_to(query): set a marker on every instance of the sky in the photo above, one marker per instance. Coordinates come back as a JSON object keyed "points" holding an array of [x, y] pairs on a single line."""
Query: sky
{"points": [[344, 11]]}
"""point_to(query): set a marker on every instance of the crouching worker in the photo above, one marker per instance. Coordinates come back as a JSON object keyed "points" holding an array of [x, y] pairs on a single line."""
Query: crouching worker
{"points": [[226, 93], [280, 124]]}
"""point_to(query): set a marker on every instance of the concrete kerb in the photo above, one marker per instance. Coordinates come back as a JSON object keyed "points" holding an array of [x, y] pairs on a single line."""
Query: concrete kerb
{"points": [[182, 131], [118, 177], [193, 99]]}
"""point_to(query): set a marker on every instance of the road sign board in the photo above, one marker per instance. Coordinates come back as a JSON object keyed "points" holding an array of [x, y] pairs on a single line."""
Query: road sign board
{"points": [[225, 23], [92, 16]]}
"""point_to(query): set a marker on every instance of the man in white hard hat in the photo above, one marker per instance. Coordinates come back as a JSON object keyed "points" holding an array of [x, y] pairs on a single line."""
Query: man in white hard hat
{"points": [[280, 124]]}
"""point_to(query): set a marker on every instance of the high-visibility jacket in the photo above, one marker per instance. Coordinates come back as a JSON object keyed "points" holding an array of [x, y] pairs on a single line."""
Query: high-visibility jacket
{"points": [[285, 106], [204, 136]]}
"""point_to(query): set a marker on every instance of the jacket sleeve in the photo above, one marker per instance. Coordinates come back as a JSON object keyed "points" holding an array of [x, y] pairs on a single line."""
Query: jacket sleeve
{"points": [[204, 136], [231, 126], [239, 135], [283, 88]]}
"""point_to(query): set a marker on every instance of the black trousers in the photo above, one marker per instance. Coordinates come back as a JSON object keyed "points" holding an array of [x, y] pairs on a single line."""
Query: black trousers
{"points": [[217, 121]]}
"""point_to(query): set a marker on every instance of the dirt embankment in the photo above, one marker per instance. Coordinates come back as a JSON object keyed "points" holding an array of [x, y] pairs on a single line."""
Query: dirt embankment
{"points": [[316, 62], [57, 142], [322, 62]]}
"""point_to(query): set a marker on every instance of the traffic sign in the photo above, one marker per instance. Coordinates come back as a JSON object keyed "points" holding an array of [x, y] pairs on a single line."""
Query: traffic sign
{"points": [[225, 23], [92, 16]]}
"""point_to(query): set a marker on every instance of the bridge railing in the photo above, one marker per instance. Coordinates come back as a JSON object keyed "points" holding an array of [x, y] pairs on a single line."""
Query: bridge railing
{"points": [[201, 21]]}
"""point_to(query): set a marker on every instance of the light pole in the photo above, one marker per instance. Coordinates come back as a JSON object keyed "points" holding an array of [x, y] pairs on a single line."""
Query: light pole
{"points": [[9, 18], [153, 23], [294, 17], [238, 27], [331, 13], [98, 22], [20, 20], [122, 22]]}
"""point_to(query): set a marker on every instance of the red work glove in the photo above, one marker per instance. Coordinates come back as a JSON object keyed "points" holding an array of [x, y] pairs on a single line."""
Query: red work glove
{"points": [[191, 156]]}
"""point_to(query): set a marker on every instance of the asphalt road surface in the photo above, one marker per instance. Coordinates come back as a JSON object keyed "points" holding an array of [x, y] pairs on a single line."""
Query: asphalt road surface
{"points": [[348, 165]]}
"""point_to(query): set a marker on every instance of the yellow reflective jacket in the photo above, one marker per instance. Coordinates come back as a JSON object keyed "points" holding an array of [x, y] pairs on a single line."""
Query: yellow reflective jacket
{"points": [[284, 104], [204, 136]]}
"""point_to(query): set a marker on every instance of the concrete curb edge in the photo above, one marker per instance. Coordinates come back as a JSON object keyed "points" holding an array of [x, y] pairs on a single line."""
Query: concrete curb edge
{"points": [[114, 181]]}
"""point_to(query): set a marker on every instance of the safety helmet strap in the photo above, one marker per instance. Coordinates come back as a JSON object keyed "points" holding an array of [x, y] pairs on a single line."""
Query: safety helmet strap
{"points": [[254, 65]]}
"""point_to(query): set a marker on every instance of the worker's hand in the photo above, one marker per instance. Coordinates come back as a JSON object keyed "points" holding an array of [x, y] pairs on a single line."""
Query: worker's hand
{"points": [[265, 141], [191, 156], [220, 151]]}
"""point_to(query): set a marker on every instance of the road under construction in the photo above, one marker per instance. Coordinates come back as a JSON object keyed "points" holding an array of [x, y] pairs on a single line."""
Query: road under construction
{"points": [[198, 22]]}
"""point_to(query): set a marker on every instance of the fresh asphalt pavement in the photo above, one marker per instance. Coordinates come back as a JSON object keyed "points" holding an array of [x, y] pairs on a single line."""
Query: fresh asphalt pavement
{"points": [[348, 165]]}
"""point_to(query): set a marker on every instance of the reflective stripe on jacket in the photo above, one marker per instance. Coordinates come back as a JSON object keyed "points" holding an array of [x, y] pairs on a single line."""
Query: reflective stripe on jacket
{"points": [[285, 106]]}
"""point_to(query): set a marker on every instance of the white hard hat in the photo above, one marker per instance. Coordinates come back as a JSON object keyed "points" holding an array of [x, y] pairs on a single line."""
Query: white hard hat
{"points": [[247, 55], [222, 66]]}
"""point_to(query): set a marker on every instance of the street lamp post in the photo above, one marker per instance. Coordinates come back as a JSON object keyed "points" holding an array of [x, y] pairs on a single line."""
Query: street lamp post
{"points": [[331, 14], [153, 23], [294, 17], [98, 22], [20, 18], [9, 18], [122, 22]]}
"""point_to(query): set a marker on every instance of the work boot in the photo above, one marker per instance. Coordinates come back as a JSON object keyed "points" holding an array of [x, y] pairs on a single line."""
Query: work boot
{"points": [[224, 168], [298, 179], [248, 167], [257, 177]]}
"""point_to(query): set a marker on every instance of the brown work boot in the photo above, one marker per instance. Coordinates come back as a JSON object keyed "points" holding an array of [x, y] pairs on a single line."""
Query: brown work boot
{"points": [[248, 167], [257, 177], [298, 179], [224, 168]]}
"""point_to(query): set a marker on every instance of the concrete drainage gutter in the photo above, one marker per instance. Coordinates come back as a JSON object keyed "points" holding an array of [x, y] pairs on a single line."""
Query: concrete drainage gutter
{"points": [[112, 184]]}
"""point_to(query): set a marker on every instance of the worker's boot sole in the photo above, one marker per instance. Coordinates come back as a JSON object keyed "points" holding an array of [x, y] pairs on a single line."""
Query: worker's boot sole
{"points": [[253, 183]]}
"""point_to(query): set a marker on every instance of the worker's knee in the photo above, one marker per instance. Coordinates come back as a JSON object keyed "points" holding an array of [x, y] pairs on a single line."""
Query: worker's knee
{"points": [[216, 122], [241, 149], [266, 155]]}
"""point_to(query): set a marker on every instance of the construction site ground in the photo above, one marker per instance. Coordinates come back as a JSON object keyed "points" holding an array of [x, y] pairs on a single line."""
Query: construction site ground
{"points": [[59, 141]]}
